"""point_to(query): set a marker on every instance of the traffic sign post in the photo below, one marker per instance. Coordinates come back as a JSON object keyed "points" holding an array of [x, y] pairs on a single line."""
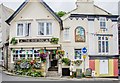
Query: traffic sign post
{"points": [[84, 50]]}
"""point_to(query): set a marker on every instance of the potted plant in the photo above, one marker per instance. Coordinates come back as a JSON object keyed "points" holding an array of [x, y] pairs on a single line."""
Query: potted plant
{"points": [[66, 61], [54, 40], [78, 62], [13, 41]]}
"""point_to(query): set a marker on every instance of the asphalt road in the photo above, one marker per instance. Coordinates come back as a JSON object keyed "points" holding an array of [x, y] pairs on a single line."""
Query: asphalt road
{"points": [[10, 79]]}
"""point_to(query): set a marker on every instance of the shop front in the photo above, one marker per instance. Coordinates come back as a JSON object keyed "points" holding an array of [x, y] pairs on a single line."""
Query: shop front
{"points": [[104, 66], [46, 55]]}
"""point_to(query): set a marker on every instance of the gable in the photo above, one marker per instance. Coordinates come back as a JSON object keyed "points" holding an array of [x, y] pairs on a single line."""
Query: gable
{"points": [[37, 10]]}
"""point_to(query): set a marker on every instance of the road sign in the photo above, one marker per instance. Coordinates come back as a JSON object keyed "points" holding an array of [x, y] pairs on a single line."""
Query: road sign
{"points": [[84, 56], [84, 50]]}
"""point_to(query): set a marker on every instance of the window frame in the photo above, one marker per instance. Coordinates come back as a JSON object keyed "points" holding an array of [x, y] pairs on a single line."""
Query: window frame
{"points": [[83, 36], [103, 20], [24, 29], [104, 49], [80, 57], [66, 33], [45, 28]]}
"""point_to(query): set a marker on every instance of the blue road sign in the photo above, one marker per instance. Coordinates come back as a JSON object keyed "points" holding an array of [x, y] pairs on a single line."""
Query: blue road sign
{"points": [[84, 50]]}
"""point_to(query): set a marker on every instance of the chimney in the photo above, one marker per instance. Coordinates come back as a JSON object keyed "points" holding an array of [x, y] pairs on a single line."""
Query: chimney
{"points": [[85, 6]]}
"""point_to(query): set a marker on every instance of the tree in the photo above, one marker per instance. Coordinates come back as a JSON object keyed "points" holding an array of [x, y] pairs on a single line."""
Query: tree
{"points": [[61, 13]]}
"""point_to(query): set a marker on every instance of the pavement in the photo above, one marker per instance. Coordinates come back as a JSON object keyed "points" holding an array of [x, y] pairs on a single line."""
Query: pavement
{"points": [[5, 74]]}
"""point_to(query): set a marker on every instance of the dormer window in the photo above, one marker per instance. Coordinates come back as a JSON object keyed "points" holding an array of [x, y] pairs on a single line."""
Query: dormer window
{"points": [[102, 23]]}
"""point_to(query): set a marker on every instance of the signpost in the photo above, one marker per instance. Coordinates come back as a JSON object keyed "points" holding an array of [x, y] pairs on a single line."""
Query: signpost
{"points": [[84, 50]]}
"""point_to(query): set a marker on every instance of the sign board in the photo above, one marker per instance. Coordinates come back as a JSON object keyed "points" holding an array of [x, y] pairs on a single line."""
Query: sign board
{"points": [[84, 56], [78, 73], [84, 50]]}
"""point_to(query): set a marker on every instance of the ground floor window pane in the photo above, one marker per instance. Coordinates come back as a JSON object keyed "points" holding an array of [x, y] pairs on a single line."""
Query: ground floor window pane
{"points": [[78, 53], [22, 56]]}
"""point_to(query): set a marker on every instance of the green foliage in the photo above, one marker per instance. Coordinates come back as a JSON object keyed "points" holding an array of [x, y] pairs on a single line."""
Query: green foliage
{"points": [[61, 13], [13, 41], [83, 75], [78, 62], [66, 61], [28, 68], [54, 40]]}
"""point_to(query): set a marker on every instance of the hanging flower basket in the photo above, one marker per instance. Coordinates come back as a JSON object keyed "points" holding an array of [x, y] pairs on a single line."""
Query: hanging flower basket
{"points": [[54, 40], [13, 41], [78, 62], [60, 52]]}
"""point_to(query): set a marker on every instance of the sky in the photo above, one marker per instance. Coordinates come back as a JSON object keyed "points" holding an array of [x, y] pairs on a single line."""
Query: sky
{"points": [[67, 5]]}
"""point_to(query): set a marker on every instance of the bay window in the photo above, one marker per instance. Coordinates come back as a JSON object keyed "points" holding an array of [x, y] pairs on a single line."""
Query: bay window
{"points": [[45, 28]]}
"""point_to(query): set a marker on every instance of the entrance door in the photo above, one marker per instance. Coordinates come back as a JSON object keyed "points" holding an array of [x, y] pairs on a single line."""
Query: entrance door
{"points": [[104, 66]]}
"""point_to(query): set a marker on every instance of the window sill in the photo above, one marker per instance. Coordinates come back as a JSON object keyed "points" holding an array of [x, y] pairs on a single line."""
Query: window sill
{"points": [[50, 36]]}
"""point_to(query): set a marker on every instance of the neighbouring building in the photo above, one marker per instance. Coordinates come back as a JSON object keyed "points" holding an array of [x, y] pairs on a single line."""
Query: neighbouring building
{"points": [[5, 12], [34, 24], [94, 28]]}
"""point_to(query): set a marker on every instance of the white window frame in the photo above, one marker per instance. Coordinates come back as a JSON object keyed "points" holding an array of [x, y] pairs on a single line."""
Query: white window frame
{"points": [[26, 55], [24, 30], [78, 56], [103, 20], [68, 33], [45, 28], [101, 40]]}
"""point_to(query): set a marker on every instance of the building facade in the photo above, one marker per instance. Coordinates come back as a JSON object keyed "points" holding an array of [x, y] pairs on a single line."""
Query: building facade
{"points": [[91, 27], [5, 13], [88, 26]]}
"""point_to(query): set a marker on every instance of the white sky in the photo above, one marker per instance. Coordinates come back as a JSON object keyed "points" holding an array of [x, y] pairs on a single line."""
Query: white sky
{"points": [[67, 5]]}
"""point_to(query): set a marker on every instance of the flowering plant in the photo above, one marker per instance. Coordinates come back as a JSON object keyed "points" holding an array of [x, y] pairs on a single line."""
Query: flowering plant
{"points": [[61, 52]]}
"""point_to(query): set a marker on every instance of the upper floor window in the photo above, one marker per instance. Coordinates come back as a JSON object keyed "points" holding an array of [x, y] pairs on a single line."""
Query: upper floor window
{"points": [[79, 34], [102, 22], [66, 34], [44, 28], [23, 29], [103, 44]]}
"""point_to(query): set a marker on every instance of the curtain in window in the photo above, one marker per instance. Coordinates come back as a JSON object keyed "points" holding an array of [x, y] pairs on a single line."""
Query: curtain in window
{"points": [[20, 30], [41, 29]]}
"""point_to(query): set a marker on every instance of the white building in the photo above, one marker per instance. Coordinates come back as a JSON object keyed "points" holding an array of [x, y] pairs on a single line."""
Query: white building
{"points": [[95, 29], [5, 12]]}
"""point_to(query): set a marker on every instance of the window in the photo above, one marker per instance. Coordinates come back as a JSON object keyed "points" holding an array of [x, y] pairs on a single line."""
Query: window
{"points": [[79, 34], [102, 22], [15, 57], [78, 53], [20, 30], [23, 29], [66, 34], [103, 44], [44, 28]]}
